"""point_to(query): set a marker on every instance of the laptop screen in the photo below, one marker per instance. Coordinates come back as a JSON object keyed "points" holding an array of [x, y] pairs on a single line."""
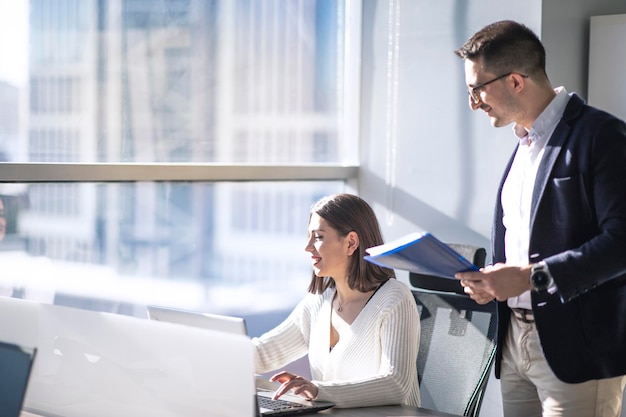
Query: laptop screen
{"points": [[16, 363], [228, 324]]}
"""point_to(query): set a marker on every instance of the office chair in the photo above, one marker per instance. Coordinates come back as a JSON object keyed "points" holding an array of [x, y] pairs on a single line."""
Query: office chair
{"points": [[457, 342]]}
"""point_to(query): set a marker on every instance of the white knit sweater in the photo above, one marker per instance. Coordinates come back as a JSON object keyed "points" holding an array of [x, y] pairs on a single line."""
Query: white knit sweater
{"points": [[372, 364]]}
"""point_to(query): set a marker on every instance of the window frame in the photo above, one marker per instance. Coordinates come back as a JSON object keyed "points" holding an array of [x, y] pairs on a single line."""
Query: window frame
{"points": [[44, 172]]}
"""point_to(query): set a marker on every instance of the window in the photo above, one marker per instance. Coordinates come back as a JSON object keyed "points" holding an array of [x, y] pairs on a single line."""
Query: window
{"points": [[168, 151]]}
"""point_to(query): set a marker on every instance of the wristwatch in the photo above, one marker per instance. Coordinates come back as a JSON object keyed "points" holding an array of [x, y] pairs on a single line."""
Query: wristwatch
{"points": [[540, 277]]}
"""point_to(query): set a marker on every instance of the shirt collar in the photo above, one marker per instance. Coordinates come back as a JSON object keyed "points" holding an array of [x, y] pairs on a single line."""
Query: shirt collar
{"points": [[545, 123]]}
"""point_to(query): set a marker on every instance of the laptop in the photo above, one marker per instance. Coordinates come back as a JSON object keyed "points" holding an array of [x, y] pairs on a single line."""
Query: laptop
{"points": [[286, 405], [95, 363], [16, 363]]}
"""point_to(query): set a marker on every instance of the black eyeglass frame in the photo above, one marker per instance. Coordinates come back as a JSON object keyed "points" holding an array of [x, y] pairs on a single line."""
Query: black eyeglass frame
{"points": [[474, 92]]}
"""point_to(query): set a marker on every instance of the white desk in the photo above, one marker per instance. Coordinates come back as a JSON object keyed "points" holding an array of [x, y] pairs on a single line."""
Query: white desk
{"points": [[386, 411]]}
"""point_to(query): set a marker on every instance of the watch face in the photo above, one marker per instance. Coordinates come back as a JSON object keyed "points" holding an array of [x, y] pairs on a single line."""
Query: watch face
{"points": [[540, 279]]}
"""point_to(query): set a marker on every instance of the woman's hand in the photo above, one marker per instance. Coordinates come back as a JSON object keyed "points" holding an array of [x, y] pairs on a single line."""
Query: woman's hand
{"points": [[299, 385]]}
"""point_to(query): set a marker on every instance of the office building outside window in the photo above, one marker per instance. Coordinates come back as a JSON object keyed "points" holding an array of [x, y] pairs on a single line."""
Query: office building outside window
{"points": [[128, 82]]}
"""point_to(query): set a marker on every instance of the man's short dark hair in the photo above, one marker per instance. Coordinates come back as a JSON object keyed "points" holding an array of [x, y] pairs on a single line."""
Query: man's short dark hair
{"points": [[506, 46]]}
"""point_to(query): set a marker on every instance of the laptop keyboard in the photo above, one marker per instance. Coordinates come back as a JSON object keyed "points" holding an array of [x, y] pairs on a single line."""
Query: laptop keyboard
{"points": [[265, 402]]}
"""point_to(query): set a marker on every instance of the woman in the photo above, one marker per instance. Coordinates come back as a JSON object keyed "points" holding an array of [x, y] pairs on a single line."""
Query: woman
{"points": [[359, 325]]}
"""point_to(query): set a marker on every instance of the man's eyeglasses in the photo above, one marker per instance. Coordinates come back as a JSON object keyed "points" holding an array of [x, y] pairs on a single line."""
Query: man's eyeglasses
{"points": [[474, 92]]}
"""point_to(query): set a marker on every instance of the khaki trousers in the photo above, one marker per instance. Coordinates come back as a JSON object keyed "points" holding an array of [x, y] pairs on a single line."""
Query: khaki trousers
{"points": [[530, 389]]}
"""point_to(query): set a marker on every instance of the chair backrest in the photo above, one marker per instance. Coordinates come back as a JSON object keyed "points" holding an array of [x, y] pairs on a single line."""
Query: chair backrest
{"points": [[457, 342]]}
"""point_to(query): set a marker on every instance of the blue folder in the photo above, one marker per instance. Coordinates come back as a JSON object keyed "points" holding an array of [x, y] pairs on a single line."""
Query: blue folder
{"points": [[421, 253]]}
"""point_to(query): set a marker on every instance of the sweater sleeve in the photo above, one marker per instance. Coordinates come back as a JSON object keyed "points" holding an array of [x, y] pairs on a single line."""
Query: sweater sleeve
{"points": [[392, 341], [286, 342]]}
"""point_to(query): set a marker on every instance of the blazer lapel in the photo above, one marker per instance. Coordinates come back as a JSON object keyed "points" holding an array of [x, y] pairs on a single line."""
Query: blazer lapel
{"points": [[552, 151]]}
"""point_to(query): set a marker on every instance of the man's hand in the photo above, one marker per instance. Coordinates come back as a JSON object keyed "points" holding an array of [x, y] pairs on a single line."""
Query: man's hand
{"points": [[499, 281]]}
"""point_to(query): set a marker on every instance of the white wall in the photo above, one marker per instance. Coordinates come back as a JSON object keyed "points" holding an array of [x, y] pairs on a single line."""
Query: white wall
{"points": [[427, 161]]}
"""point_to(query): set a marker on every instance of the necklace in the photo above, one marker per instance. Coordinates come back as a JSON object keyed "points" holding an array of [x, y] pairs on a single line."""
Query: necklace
{"points": [[339, 305]]}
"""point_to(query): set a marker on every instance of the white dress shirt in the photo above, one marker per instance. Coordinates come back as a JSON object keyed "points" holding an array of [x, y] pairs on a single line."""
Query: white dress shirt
{"points": [[518, 187]]}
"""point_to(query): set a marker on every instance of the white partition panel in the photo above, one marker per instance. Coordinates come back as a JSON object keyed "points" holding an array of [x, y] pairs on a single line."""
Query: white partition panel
{"points": [[607, 63]]}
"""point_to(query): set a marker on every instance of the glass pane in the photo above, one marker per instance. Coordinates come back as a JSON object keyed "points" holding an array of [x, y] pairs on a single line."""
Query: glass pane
{"points": [[172, 81], [231, 248]]}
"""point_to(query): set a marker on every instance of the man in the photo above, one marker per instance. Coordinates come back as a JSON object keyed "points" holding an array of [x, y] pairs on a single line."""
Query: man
{"points": [[559, 234]]}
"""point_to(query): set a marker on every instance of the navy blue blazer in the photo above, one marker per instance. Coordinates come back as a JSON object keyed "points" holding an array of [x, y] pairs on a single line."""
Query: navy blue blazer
{"points": [[578, 227]]}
